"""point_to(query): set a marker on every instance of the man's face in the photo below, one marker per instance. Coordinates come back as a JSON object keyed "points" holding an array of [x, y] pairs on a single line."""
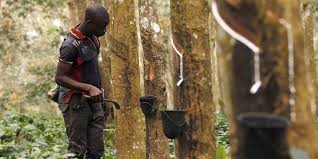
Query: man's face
{"points": [[99, 27]]}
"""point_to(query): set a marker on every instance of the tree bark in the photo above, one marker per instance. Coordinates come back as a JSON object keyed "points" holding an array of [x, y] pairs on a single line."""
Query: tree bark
{"points": [[76, 11], [224, 45], [155, 50], [307, 9], [303, 130], [105, 67], [195, 93], [215, 70], [122, 36]]}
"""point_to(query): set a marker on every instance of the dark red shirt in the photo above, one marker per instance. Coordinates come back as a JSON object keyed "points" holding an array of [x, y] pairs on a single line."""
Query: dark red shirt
{"points": [[82, 53]]}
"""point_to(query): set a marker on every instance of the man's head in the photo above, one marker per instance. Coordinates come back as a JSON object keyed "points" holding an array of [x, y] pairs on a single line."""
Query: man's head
{"points": [[96, 20]]}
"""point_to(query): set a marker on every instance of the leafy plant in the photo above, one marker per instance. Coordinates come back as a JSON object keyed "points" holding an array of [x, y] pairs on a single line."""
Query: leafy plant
{"points": [[32, 136], [221, 153], [42, 135], [171, 149], [222, 130], [39, 135], [222, 136]]}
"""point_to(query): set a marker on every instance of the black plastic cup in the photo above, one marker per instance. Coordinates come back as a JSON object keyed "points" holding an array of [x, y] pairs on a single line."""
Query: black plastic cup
{"points": [[262, 136], [173, 122], [147, 104]]}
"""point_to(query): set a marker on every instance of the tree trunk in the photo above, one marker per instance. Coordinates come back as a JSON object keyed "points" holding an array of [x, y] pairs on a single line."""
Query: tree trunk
{"points": [[76, 11], [195, 93], [224, 55], [155, 50], [215, 70], [264, 23], [72, 13], [105, 67], [123, 40], [303, 130], [307, 8]]}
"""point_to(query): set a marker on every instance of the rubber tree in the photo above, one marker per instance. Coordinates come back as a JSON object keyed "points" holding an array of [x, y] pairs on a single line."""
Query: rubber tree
{"points": [[303, 129], [76, 11], [124, 47], [190, 28], [307, 10], [154, 30], [215, 70], [283, 71], [105, 66]]}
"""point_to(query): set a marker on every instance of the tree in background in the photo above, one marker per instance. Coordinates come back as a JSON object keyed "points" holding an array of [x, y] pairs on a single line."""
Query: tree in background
{"points": [[307, 11], [76, 11], [191, 31], [106, 71], [124, 47], [154, 32], [303, 128]]}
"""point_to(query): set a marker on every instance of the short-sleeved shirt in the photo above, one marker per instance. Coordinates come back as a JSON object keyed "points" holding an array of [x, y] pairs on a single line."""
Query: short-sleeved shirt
{"points": [[82, 53]]}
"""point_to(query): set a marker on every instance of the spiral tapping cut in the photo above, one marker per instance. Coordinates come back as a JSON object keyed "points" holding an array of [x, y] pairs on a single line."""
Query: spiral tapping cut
{"points": [[257, 76]]}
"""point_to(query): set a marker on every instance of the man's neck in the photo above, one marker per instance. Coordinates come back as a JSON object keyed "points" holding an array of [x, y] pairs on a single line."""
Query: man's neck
{"points": [[81, 28]]}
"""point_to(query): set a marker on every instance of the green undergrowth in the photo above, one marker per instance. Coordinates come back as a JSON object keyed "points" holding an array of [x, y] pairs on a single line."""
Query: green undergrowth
{"points": [[42, 135], [31, 136], [222, 136]]}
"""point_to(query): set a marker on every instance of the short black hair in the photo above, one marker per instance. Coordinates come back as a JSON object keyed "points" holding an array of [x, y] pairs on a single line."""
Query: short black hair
{"points": [[96, 12]]}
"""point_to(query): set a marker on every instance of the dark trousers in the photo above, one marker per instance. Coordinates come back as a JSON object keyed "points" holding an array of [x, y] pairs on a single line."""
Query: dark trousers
{"points": [[84, 122]]}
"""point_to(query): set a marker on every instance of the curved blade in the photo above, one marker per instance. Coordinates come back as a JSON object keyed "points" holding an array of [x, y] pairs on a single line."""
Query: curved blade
{"points": [[117, 106]]}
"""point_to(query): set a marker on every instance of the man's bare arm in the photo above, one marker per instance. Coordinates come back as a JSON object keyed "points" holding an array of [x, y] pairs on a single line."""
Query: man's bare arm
{"points": [[62, 78]]}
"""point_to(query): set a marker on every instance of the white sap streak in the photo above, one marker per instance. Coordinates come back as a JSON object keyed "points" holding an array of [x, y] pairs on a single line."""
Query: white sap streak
{"points": [[291, 69], [181, 63], [257, 76]]}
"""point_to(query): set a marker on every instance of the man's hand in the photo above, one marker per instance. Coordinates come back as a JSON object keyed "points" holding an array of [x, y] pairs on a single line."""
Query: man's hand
{"points": [[94, 91]]}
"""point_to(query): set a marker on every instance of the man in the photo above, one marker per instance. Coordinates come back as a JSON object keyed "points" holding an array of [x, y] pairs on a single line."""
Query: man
{"points": [[78, 76]]}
